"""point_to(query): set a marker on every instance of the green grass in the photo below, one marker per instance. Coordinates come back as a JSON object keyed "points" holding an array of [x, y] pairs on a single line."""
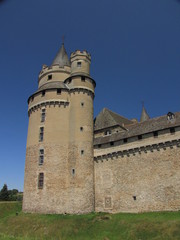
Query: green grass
{"points": [[95, 226]]}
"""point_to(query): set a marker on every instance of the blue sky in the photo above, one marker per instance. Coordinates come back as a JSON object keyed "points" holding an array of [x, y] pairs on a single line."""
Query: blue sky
{"points": [[135, 49]]}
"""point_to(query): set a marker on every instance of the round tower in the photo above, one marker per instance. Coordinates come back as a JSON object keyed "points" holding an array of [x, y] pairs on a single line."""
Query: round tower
{"points": [[80, 160], [80, 63], [59, 156]]}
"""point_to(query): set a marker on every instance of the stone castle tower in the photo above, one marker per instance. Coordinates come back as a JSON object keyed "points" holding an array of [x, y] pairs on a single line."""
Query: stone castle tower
{"points": [[59, 170]]}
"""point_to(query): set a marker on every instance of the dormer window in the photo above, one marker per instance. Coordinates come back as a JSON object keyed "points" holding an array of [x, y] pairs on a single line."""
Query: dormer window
{"points": [[108, 132], [78, 64], [170, 116]]}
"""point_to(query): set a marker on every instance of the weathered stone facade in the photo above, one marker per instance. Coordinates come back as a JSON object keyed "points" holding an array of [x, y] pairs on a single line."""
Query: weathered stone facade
{"points": [[113, 165], [140, 176], [59, 171]]}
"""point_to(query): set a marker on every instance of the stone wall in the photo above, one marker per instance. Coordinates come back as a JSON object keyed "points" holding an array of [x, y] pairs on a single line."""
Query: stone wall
{"points": [[140, 176], [68, 165]]}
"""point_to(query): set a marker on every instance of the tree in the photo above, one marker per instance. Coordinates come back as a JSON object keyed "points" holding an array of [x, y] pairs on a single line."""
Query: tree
{"points": [[13, 195], [4, 194]]}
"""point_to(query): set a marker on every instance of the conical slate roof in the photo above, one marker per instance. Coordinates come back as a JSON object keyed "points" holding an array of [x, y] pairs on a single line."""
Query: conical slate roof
{"points": [[61, 58], [107, 118], [144, 115]]}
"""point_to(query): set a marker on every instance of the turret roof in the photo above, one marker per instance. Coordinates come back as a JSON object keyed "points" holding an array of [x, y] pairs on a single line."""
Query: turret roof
{"points": [[53, 85], [144, 115], [61, 58]]}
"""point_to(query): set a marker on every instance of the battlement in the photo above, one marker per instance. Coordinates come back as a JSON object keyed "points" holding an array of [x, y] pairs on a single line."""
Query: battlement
{"points": [[46, 69], [79, 53]]}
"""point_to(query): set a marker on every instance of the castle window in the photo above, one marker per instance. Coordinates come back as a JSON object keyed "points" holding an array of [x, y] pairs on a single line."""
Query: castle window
{"points": [[172, 130], [41, 134], [78, 64], [83, 78], [82, 152], [43, 115], [139, 137], [99, 145], [41, 156], [112, 143], [69, 80], [43, 93], [125, 140], [40, 180], [73, 171], [134, 197], [32, 99], [58, 91], [49, 77], [170, 116], [81, 129], [82, 104], [155, 134], [108, 132]]}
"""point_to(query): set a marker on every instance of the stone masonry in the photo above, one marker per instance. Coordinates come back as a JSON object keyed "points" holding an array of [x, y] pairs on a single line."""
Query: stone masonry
{"points": [[76, 166]]}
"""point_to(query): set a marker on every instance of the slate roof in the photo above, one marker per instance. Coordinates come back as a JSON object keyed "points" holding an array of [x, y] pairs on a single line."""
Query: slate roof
{"points": [[53, 85], [151, 125], [61, 58], [107, 118]]}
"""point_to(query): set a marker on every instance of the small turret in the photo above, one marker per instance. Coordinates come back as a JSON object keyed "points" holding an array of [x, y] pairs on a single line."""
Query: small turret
{"points": [[80, 63], [58, 71], [144, 115], [61, 58]]}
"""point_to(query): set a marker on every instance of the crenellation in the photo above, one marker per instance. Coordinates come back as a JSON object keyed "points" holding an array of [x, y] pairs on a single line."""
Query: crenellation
{"points": [[145, 149]]}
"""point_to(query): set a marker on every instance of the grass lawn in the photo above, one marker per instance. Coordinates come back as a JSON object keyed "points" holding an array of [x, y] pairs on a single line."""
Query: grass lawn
{"points": [[94, 226]]}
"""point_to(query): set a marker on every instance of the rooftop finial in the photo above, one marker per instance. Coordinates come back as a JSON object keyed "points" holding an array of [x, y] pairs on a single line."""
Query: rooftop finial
{"points": [[63, 37], [142, 103]]}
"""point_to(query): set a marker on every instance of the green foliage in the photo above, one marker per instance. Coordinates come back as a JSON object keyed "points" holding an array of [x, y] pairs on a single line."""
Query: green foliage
{"points": [[10, 195], [4, 193], [16, 225], [19, 196]]}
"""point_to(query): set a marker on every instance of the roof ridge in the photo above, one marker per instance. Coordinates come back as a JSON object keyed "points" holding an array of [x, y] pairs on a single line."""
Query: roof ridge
{"points": [[117, 114]]}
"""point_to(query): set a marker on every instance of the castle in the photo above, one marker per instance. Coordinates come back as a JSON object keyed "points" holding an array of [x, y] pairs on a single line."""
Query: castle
{"points": [[75, 165]]}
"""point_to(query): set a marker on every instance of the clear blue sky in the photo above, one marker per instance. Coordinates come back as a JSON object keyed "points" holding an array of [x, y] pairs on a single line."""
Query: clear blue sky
{"points": [[135, 49]]}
